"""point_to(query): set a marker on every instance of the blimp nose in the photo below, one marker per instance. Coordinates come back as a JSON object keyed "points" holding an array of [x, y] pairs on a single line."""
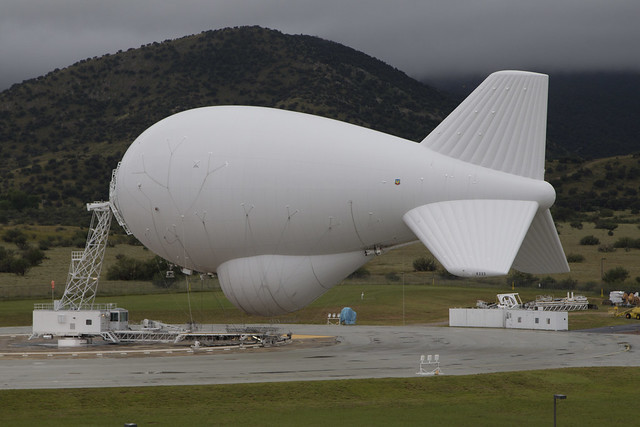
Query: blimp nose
{"points": [[114, 202]]}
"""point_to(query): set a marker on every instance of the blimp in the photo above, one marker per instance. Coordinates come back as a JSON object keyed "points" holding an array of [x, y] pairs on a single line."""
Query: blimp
{"points": [[283, 205]]}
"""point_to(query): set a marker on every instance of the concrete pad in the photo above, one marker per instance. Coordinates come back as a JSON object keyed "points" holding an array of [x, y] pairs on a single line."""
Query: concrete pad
{"points": [[358, 352]]}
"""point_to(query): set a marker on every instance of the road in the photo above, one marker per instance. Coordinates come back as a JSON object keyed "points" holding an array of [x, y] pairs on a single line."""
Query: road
{"points": [[358, 352]]}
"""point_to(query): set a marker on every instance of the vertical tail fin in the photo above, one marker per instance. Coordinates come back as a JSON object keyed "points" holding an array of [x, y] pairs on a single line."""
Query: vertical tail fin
{"points": [[502, 125]]}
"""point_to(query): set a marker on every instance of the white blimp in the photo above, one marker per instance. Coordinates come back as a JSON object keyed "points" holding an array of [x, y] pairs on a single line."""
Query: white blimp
{"points": [[284, 205]]}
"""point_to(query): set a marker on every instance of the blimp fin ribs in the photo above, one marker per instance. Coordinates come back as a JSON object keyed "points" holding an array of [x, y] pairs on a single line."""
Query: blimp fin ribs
{"points": [[473, 238], [501, 125]]}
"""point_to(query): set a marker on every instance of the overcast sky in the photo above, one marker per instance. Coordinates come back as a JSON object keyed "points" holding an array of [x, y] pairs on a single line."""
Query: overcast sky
{"points": [[424, 38]]}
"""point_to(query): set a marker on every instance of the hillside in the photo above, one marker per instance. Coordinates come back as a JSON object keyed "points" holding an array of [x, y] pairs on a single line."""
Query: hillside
{"points": [[591, 115], [582, 187], [62, 134]]}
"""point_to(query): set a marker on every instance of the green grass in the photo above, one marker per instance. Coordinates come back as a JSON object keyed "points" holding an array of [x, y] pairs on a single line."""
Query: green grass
{"points": [[36, 283], [427, 296], [595, 396], [381, 305]]}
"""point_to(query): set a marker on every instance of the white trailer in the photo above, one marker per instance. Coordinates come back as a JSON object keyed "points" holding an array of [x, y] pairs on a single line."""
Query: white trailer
{"points": [[97, 320], [509, 318]]}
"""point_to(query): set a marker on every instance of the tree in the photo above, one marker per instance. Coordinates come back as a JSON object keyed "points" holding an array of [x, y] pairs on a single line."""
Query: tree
{"points": [[521, 279], [19, 266], [424, 264], [589, 240], [575, 258], [360, 273]]}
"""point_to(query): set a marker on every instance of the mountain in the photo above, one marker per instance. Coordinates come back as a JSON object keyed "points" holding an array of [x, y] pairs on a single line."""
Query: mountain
{"points": [[591, 115], [62, 134]]}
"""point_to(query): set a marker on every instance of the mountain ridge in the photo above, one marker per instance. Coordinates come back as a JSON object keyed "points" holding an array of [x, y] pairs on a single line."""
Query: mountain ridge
{"points": [[590, 114], [62, 134]]}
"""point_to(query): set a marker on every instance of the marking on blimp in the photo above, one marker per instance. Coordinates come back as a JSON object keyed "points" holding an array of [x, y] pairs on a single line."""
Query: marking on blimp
{"points": [[290, 214], [246, 212], [397, 182], [353, 220]]}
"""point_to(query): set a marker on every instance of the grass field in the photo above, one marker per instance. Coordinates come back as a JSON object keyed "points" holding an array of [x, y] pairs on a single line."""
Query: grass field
{"points": [[595, 397], [398, 262], [393, 293], [381, 305]]}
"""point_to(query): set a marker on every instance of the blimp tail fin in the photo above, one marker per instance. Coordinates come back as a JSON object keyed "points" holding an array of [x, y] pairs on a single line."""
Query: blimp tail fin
{"points": [[501, 125], [541, 251], [474, 238]]}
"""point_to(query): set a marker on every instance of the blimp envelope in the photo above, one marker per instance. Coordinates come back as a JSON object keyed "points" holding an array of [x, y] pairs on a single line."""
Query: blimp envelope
{"points": [[284, 205]]}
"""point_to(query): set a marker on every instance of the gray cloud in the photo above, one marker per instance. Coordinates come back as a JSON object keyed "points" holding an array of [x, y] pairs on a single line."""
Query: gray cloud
{"points": [[423, 38]]}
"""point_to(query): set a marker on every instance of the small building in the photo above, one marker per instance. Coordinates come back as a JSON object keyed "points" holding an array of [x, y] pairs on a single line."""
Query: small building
{"points": [[93, 321], [511, 318]]}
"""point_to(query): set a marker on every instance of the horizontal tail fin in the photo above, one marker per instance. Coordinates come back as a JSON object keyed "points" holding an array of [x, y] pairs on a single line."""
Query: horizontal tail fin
{"points": [[501, 125]]}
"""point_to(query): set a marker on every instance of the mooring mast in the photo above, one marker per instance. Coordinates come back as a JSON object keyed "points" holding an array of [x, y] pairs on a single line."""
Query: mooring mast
{"points": [[85, 267]]}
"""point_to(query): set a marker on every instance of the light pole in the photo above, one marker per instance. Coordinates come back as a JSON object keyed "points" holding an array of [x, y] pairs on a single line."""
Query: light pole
{"points": [[602, 268], [556, 397]]}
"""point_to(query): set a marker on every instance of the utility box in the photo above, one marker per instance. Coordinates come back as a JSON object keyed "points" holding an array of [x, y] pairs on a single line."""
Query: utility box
{"points": [[118, 319], [94, 320]]}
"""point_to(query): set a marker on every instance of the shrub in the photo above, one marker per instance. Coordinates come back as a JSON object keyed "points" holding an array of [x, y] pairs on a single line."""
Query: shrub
{"points": [[606, 224], [627, 242], [589, 286], [127, 268], [575, 258], [33, 256], [606, 213], [606, 248], [589, 241], [567, 283], [548, 283], [19, 266], [20, 262], [576, 225], [522, 279], [392, 277], [615, 275], [360, 273], [424, 264], [15, 235]]}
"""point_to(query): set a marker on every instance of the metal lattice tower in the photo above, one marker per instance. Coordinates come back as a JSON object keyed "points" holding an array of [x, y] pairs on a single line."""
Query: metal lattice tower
{"points": [[84, 271]]}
